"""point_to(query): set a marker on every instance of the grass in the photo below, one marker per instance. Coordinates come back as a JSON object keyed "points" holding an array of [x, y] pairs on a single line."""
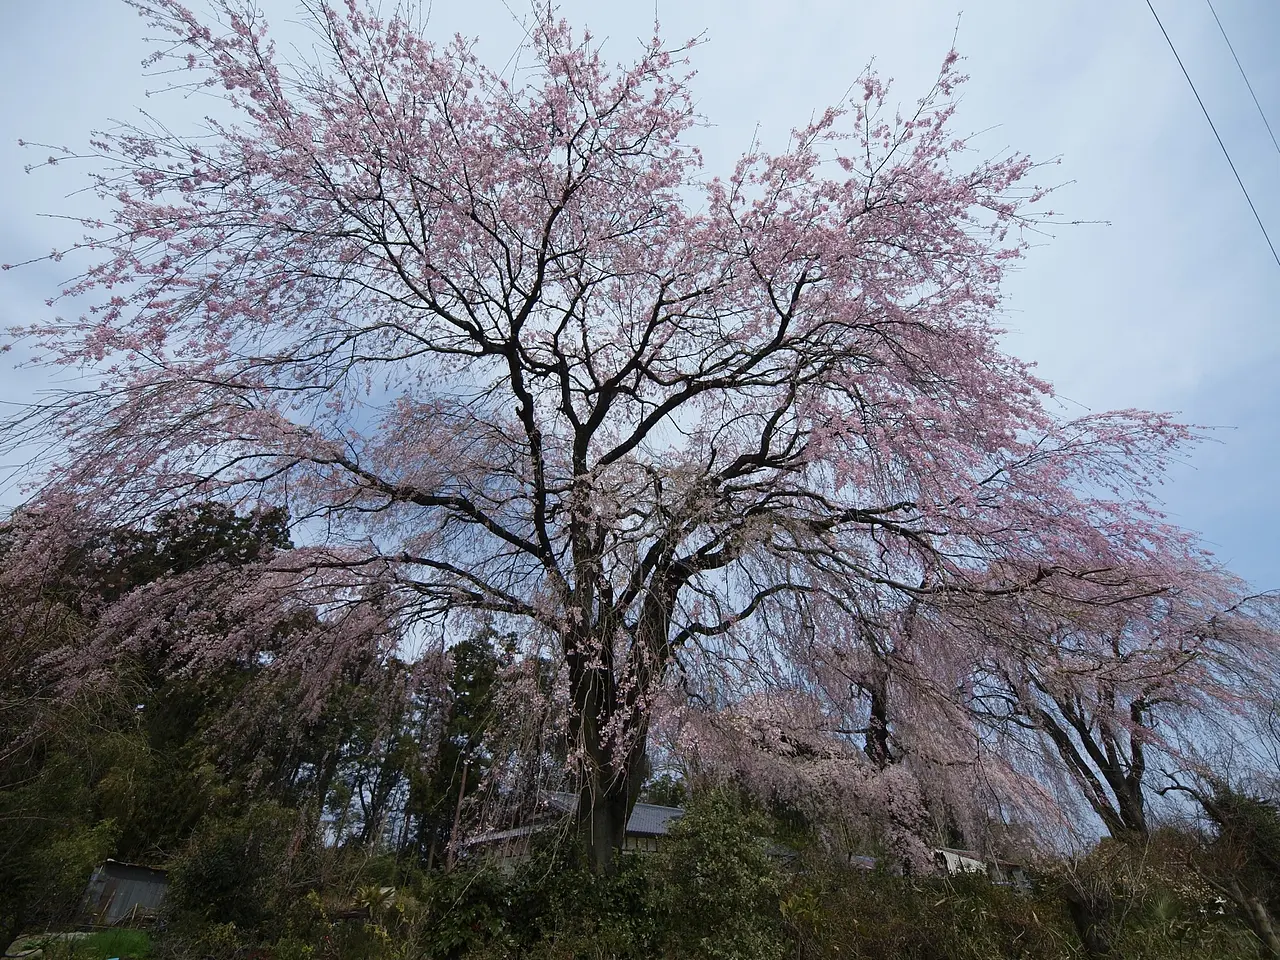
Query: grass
{"points": [[125, 944]]}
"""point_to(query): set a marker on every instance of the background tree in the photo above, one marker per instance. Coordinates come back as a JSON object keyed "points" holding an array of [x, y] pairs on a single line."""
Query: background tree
{"points": [[127, 765], [439, 794], [506, 355], [61, 762], [147, 761], [1239, 855], [1112, 694]]}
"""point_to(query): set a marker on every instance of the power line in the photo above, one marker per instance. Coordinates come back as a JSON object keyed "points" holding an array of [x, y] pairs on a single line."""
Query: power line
{"points": [[1243, 75], [1205, 111]]}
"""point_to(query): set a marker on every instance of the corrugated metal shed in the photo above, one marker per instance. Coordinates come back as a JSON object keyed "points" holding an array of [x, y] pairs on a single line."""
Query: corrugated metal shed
{"points": [[124, 893], [957, 862]]}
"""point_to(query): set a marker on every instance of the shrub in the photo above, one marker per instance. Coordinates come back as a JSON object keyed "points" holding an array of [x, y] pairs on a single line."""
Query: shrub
{"points": [[843, 912], [229, 870], [715, 889], [1141, 901]]}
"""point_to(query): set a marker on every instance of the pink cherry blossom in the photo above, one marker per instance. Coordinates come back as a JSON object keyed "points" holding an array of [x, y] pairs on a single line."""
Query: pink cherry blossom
{"points": [[726, 448]]}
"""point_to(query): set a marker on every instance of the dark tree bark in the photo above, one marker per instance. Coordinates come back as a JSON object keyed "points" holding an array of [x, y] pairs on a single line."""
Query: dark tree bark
{"points": [[1108, 765], [877, 738]]}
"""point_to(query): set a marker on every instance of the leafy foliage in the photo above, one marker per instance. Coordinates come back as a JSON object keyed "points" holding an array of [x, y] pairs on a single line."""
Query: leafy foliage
{"points": [[1141, 900], [716, 886], [234, 869], [1241, 860]]}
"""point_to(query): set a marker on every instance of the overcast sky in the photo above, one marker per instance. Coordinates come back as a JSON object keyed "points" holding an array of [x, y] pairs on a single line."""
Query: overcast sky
{"points": [[1172, 306]]}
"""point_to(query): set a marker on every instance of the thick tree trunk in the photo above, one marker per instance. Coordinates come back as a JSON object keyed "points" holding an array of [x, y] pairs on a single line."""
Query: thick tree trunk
{"points": [[1133, 809], [877, 739], [1258, 917], [609, 791], [1262, 924], [603, 824], [1089, 915], [609, 721], [1265, 929], [1117, 798]]}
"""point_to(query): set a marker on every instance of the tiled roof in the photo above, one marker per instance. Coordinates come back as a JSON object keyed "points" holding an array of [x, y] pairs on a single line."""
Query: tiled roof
{"points": [[647, 819], [651, 820]]}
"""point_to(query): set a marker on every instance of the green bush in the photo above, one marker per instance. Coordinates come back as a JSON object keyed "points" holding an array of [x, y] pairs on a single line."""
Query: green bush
{"points": [[715, 889], [1143, 900], [466, 910], [49, 846], [873, 915], [230, 870], [547, 906]]}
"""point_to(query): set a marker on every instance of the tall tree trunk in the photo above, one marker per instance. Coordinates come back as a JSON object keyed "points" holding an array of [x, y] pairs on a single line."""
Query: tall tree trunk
{"points": [[1262, 924], [603, 824], [1258, 918], [1089, 914], [609, 721], [451, 853], [1117, 798], [605, 805], [609, 785], [877, 739]]}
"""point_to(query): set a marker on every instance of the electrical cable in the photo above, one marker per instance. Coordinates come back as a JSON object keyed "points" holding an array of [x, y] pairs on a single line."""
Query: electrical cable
{"points": [[1243, 75], [1205, 111]]}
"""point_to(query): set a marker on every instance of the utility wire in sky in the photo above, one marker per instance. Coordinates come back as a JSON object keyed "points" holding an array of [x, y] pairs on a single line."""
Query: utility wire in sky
{"points": [[1243, 75], [1205, 111]]}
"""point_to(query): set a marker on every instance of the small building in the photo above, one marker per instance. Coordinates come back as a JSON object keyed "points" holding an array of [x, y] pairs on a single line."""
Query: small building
{"points": [[1005, 872], [954, 862], [124, 893], [647, 825]]}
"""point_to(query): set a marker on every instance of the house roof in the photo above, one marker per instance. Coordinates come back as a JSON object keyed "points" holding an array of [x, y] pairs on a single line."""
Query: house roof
{"points": [[646, 820], [651, 820]]}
